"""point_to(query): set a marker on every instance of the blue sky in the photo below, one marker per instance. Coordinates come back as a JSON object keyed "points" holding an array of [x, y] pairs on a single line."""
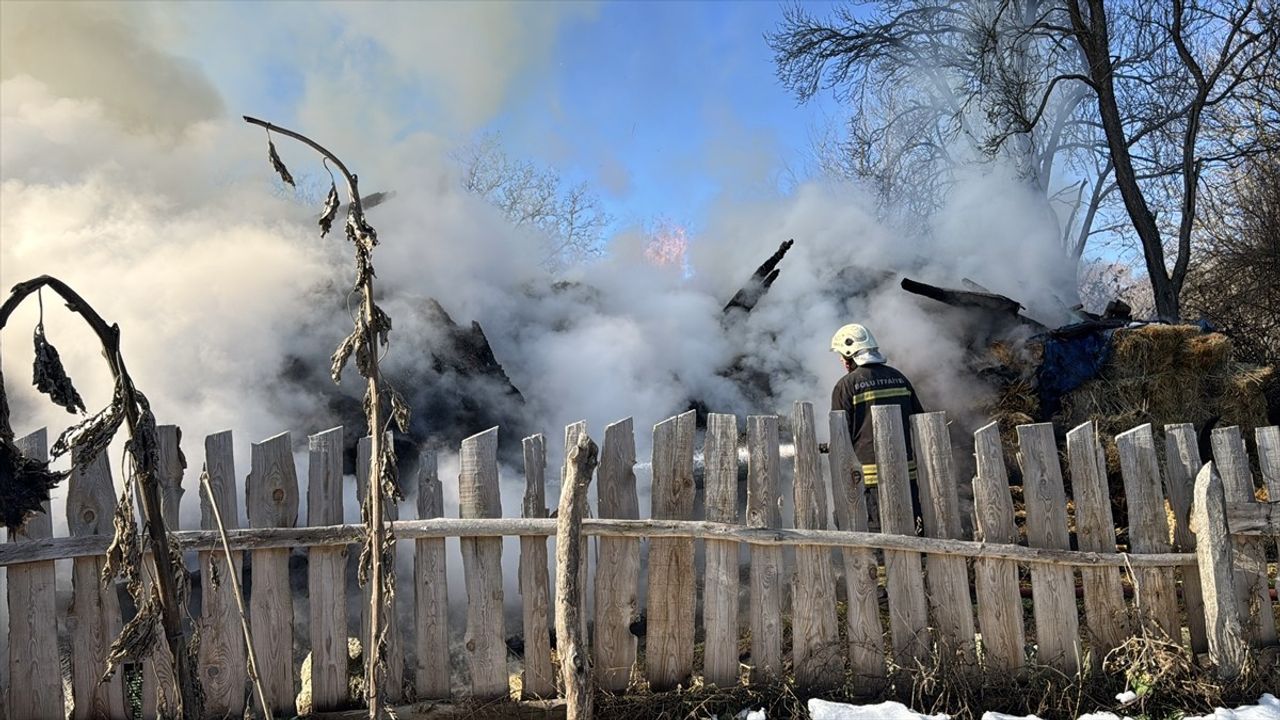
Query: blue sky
{"points": [[661, 107], [665, 106]]}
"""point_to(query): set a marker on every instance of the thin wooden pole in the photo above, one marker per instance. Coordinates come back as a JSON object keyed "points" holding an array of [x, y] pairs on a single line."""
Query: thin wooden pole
{"points": [[571, 641], [235, 586]]}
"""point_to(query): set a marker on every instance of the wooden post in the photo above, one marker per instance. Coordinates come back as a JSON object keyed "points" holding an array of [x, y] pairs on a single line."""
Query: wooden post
{"points": [[1157, 599], [1215, 557], [669, 636], [94, 621], [815, 638], [948, 576], [865, 633], [720, 589], [1269, 461], [763, 501], [478, 497], [538, 679], [431, 590], [1053, 588], [1182, 462], [159, 683], [392, 690], [571, 640], [35, 673], [327, 575], [1251, 586], [1105, 613], [271, 498], [904, 579], [221, 663], [572, 433], [996, 581], [617, 577]]}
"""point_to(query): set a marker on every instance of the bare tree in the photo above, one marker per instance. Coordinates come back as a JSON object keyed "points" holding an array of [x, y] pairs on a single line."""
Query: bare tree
{"points": [[570, 217], [1133, 102], [1169, 82], [936, 87], [1236, 282]]}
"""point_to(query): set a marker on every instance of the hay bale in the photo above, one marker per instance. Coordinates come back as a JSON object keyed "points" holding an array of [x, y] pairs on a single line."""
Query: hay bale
{"points": [[355, 678], [1163, 374]]}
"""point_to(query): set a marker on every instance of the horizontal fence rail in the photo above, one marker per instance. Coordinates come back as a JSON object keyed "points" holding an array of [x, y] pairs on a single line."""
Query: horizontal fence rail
{"points": [[349, 534], [948, 589]]}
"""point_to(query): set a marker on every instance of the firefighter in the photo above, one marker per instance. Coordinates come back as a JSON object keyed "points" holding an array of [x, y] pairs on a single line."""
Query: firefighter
{"points": [[869, 381]]}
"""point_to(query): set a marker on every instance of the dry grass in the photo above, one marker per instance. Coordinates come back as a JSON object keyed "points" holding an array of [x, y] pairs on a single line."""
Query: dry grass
{"points": [[1165, 676]]}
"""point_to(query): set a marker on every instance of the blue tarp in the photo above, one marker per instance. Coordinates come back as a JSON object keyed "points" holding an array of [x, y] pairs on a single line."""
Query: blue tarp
{"points": [[1070, 360]]}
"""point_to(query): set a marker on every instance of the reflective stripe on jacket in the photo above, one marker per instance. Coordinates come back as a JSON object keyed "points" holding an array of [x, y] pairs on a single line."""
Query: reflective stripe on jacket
{"points": [[870, 385]]}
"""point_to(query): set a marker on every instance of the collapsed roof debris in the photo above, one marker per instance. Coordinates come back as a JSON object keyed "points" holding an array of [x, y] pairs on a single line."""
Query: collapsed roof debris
{"points": [[760, 281]]}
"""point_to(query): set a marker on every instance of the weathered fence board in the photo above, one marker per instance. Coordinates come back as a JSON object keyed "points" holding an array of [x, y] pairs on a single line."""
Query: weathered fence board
{"points": [[537, 679], [669, 636], [573, 432], [1053, 589], [1251, 588], [431, 590], [948, 576], [35, 674], [720, 589], [1268, 439], [94, 620], [222, 651], [817, 657], [764, 482], [618, 562], [326, 575], [1182, 462], [1215, 552], [393, 685], [159, 683], [482, 564], [904, 579], [996, 581], [1106, 619], [862, 626], [271, 499], [1148, 531]]}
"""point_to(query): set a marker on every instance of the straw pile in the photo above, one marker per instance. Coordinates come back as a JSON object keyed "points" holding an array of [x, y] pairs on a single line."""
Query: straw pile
{"points": [[1010, 369], [1163, 374], [1158, 374]]}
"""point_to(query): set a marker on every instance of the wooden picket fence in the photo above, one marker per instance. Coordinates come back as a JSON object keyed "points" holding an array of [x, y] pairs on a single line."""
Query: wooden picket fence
{"points": [[1215, 598]]}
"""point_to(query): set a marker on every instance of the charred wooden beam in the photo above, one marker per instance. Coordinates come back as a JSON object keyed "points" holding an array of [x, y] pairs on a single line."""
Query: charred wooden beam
{"points": [[758, 284], [988, 301]]}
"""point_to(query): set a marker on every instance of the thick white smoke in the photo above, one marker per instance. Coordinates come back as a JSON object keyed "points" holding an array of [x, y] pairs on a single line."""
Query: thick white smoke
{"points": [[127, 173]]}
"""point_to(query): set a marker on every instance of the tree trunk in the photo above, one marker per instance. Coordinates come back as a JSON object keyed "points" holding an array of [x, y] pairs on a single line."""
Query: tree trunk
{"points": [[1091, 33]]}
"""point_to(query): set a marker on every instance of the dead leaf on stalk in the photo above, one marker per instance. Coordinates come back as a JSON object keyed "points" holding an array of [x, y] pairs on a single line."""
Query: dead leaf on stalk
{"points": [[359, 231], [342, 354], [390, 475], [24, 485], [330, 210], [50, 377], [278, 165], [138, 638], [381, 324], [93, 434], [400, 411]]}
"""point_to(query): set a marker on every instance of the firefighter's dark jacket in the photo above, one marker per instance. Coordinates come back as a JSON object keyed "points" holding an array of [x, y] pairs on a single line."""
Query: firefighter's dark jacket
{"points": [[856, 392]]}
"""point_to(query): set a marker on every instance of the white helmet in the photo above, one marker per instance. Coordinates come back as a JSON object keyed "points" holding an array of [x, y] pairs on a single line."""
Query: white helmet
{"points": [[855, 342]]}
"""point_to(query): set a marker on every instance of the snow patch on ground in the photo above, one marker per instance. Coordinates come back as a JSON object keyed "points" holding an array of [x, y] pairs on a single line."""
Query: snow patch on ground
{"points": [[1268, 708]]}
